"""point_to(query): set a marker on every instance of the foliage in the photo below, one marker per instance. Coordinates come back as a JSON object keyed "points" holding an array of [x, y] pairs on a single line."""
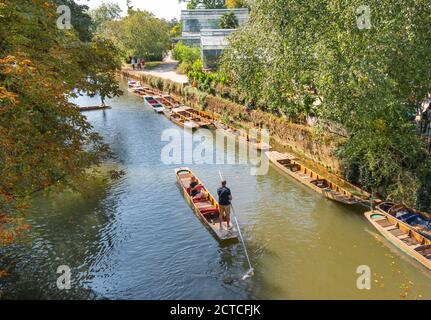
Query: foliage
{"points": [[177, 29], [104, 13], [369, 81], [44, 139], [228, 21], [81, 21], [232, 4], [206, 81], [206, 4], [188, 57], [140, 34], [165, 85]]}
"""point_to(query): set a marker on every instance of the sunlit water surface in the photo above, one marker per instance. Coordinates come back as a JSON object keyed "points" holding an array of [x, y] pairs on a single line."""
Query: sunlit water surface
{"points": [[136, 238]]}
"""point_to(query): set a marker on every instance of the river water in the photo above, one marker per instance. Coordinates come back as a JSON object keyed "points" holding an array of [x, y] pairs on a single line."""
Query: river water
{"points": [[136, 238]]}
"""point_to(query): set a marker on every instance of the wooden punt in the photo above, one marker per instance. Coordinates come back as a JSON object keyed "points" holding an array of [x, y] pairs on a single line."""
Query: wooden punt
{"points": [[194, 116], [315, 181], [208, 210], [179, 119], [417, 220], [402, 236], [92, 108], [165, 102], [241, 136], [157, 107]]}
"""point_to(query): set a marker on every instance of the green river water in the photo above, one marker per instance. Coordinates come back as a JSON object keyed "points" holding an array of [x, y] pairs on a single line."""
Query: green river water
{"points": [[136, 238]]}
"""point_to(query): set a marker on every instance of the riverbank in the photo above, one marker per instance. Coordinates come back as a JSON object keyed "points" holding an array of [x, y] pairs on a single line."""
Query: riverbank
{"points": [[123, 242], [316, 149]]}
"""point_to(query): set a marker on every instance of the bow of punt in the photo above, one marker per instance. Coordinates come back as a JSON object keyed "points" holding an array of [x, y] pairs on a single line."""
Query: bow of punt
{"points": [[402, 236]]}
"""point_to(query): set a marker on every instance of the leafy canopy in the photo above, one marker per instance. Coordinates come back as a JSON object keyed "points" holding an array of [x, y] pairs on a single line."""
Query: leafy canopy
{"points": [[369, 81], [140, 34], [44, 140]]}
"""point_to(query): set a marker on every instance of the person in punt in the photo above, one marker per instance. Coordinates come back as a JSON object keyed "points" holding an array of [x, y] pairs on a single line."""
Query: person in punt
{"points": [[225, 198], [194, 186]]}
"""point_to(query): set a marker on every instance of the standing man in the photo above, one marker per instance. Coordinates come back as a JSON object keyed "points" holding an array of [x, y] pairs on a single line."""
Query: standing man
{"points": [[225, 197]]}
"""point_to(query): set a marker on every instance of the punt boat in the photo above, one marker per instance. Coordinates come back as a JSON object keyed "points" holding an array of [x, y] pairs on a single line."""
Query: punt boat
{"points": [[194, 116], [91, 108], [402, 236], [157, 107], [286, 162], [207, 210], [165, 102], [176, 117], [417, 220]]}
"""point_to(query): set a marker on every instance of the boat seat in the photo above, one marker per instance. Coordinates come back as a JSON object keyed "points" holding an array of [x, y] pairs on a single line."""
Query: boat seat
{"points": [[397, 232], [410, 241], [385, 223], [404, 236]]}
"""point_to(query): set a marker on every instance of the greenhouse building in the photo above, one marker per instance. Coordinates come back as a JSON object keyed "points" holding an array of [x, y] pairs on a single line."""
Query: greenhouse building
{"points": [[201, 29]]}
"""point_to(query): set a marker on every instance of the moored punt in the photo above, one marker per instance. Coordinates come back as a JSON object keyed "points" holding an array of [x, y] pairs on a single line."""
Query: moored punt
{"points": [[165, 102], [402, 236], [242, 136], [180, 120], [190, 113], [92, 108], [206, 209], [315, 181], [417, 220], [157, 107]]}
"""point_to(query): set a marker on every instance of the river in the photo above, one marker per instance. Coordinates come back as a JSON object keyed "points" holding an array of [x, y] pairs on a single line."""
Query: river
{"points": [[136, 237]]}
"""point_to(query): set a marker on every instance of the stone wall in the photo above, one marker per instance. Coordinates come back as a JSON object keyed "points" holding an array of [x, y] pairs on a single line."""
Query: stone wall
{"points": [[303, 140]]}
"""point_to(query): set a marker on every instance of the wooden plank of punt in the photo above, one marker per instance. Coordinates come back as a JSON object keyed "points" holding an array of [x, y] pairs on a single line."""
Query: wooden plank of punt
{"points": [[92, 108], [308, 177], [183, 177], [402, 236]]}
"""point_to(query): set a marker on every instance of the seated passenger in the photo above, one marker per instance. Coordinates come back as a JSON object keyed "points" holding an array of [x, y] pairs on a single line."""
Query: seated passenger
{"points": [[201, 195], [193, 186]]}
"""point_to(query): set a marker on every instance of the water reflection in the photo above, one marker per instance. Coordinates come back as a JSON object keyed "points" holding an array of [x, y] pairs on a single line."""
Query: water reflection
{"points": [[137, 238]]}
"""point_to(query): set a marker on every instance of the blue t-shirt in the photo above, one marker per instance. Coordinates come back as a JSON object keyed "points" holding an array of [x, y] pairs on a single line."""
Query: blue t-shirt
{"points": [[223, 196]]}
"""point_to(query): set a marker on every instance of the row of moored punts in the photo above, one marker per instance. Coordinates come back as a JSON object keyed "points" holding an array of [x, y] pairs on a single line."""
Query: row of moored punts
{"points": [[406, 228], [189, 118]]}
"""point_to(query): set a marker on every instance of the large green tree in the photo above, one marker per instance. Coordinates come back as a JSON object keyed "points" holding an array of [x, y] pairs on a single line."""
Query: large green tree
{"points": [[369, 77], [104, 13], [44, 140], [140, 34]]}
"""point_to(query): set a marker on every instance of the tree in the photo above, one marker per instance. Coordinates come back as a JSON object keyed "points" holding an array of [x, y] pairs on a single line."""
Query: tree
{"points": [[130, 9], [206, 4], [370, 81], [232, 4], [228, 21], [45, 142], [140, 35], [177, 29], [81, 21], [187, 57], [104, 13], [104, 57]]}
